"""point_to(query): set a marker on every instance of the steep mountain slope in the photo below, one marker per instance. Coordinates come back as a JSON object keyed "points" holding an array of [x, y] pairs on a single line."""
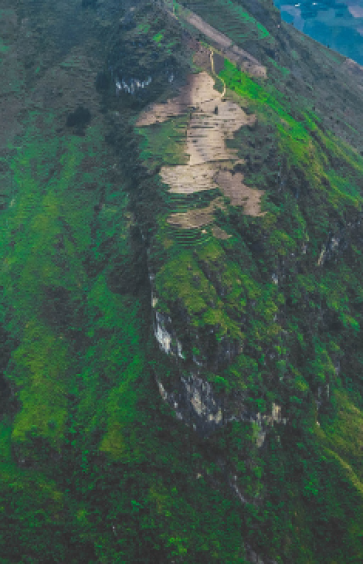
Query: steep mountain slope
{"points": [[181, 286]]}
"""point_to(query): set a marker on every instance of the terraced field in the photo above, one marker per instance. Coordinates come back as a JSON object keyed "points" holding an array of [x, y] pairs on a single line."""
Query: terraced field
{"points": [[212, 120]]}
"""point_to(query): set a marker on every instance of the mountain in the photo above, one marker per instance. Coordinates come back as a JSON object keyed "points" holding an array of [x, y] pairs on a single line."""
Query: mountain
{"points": [[181, 299]]}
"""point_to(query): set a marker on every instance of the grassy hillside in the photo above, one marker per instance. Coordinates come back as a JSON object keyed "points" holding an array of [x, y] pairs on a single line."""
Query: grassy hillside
{"points": [[134, 210]]}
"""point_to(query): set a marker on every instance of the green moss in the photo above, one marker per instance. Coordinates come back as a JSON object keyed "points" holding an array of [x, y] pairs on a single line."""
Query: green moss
{"points": [[4, 48], [122, 410], [165, 143], [283, 70], [40, 365], [5, 444], [143, 27], [343, 436], [158, 37]]}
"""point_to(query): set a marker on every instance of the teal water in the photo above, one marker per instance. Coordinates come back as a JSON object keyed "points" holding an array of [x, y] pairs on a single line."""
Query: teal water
{"points": [[338, 25]]}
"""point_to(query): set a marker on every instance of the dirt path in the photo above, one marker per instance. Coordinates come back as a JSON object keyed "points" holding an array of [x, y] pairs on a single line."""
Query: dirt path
{"points": [[215, 74], [232, 52], [213, 120], [222, 40]]}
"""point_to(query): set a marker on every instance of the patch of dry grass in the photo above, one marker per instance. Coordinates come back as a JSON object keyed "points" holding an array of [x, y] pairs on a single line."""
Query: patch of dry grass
{"points": [[239, 194], [195, 218], [212, 120]]}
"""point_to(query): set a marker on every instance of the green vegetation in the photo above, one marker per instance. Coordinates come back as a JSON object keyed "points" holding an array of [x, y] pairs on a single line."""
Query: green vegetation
{"points": [[158, 37], [237, 23], [94, 466], [287, 331], [164, 143]]}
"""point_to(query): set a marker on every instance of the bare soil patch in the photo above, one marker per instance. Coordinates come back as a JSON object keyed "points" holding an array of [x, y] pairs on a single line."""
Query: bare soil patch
{"points": [[189, 179], [210, 127], [248, 63], [193, 219], [233, 188], [198, 89], [219, 233], [212, 33], [202, 57], [211, 122]]}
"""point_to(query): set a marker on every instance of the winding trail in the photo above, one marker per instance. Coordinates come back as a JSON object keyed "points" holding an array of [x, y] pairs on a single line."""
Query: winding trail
{"points": [[216, 75], [231, 51], [212, 120]]}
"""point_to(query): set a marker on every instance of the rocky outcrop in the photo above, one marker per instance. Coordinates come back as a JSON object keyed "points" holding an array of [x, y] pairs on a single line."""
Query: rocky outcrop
{"points": [[195, 402], [339, 240], [254, 558], [165, 335], [194, 399]]}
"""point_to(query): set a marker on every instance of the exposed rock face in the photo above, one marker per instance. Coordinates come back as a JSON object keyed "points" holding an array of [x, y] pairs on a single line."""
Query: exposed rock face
{"points": [[339, 241], [254, 558], [164, 334], [196, 403], [194, 399], [163, 328]]}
